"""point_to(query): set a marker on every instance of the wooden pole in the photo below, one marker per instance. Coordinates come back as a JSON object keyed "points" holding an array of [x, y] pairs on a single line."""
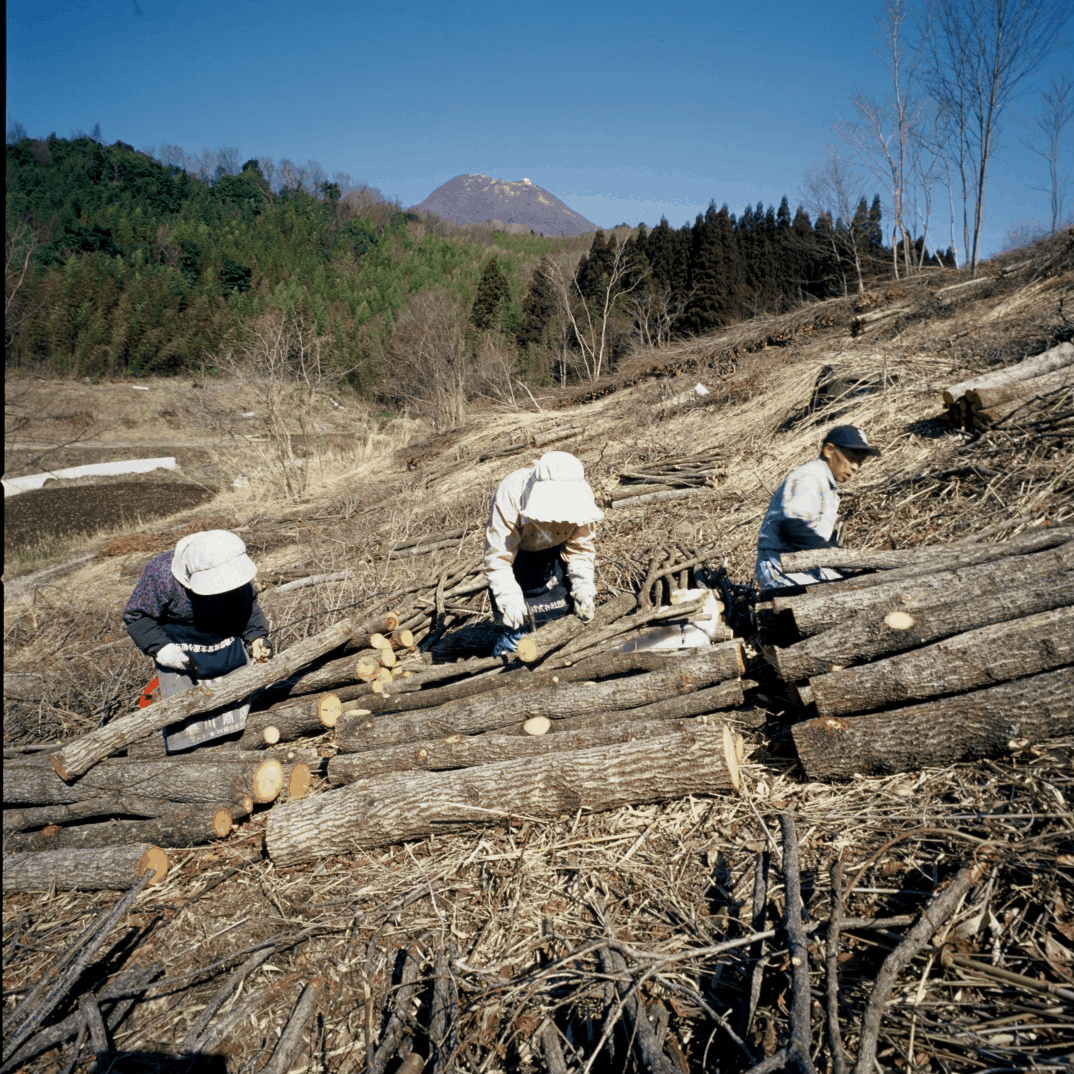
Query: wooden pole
{"points": [[967, 661], [373, 813], [985, 723], [81, 754]]}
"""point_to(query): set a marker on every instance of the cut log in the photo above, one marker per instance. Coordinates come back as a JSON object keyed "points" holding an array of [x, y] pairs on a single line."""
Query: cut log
{"points": [[106, 869], [30, 818], [967, 661], [930, 557], [833, 604], [1020, 391], [81, 754], [298, 781], [581, 732], [986, 723], [402, 638], [374, 813], [294, 719], [267, 781], [1055, 358], [690, 671], [655, 497], [915, 619], [193, 826], [185, 780]]}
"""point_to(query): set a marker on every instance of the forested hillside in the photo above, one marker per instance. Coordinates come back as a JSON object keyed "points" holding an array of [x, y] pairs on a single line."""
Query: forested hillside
{"points": [[119, 264]]}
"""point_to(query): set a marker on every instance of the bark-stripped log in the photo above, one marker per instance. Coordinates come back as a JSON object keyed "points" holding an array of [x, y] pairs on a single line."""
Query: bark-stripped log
{"points": [[189, 827], [896, 625], [1054, 358], [984, 723], [690, 671], [831, 605], [103, 869], [373, 813], [470, 751], [184, 780], [81, 754], [965, 662]]}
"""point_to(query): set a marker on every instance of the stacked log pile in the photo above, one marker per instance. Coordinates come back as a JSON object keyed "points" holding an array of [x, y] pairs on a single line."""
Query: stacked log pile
{"points": [[672, 478], [581, 716], [1038, 392], [938, 656]]}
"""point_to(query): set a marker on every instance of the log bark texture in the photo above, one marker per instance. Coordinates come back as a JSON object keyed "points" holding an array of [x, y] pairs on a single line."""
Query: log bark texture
{"points": [[984, 723], [965, 662], [193, 826], [373, 813], [471, 751], [212, 782], [105, 869], [833, 604], [81, 754], [879, 630], [929, 557], [692, 671]]}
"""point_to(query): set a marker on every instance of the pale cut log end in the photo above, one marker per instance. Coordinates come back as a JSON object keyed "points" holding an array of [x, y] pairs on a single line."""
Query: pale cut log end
{"points": [[384, 675], [389, 623], [270, 735], [379, 641], [388, 659], [365, 670], [377, 686], [328, 709], [267, 781], [247, 803], [403, 638], [222, 821], [61, 769], [298, 782], [537, 725], [527, 650], [899, 620], [730, 756], [154, 860]]}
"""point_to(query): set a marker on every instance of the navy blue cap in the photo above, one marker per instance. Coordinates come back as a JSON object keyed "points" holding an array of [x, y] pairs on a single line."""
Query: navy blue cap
{"points": [[850, 436]]}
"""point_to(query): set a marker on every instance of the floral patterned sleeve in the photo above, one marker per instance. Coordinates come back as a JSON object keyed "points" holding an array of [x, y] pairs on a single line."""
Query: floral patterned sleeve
{"points": [[149, 604]]}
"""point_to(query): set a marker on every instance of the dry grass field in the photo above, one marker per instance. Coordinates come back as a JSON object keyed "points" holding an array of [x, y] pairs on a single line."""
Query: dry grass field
{"points": [[497, 937]]}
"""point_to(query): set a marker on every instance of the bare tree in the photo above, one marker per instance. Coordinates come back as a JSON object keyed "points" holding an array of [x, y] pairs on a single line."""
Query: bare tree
{"points": [[655, 311], [1057, 110], [227, 157], [982, 54], [833, 191], [431, 369], [887, 139], [590, 322], [285, 364]]}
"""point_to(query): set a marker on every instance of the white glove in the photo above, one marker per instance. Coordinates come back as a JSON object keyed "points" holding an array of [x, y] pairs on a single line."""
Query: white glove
{"points": [[260, 651], [171, 656], [584, 610], [512, 609]]}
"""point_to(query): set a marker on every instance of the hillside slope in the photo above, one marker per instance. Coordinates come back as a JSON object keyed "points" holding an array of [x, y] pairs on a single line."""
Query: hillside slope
{"points": [[515, 931]]}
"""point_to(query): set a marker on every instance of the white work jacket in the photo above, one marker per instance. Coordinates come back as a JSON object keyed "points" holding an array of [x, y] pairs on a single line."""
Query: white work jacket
{"points": [[509, 530]]}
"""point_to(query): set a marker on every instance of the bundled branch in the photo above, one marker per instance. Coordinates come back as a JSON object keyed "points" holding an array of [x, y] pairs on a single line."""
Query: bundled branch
{"points": [[672, 478]]}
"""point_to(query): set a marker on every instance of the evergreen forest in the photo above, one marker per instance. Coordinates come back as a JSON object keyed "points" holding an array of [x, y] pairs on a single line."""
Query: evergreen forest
{"points": [[120, 265]]}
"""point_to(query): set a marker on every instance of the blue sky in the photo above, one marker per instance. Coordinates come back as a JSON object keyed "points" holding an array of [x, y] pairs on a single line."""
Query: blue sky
{"points": [[626, 111]]}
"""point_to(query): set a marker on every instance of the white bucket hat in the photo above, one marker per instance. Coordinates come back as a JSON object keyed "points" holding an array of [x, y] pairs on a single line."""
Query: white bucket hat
{"points": [[559, 492], [212, 562]]}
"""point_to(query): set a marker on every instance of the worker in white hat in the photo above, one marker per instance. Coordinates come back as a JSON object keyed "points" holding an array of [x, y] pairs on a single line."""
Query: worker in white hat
{"points": [[195, 611], [540, 555], [804, 510]]}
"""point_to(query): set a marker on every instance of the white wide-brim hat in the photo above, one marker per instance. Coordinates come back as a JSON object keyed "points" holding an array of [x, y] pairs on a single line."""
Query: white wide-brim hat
{"points": [[559, 492], [212, 562]]}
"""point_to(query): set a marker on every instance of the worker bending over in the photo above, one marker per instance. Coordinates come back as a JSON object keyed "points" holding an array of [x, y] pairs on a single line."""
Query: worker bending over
{"points": [[539, 547]]}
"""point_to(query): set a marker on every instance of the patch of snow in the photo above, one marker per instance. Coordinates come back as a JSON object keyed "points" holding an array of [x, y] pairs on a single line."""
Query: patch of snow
{"points": [[14, 485]]}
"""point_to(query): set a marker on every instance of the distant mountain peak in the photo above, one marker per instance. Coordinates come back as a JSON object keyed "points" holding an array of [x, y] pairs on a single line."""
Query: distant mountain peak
{"points": [[518, 205]]}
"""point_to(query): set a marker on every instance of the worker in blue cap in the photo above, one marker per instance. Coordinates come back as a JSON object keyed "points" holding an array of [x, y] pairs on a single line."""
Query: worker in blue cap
{"points": [[803, 511]]}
